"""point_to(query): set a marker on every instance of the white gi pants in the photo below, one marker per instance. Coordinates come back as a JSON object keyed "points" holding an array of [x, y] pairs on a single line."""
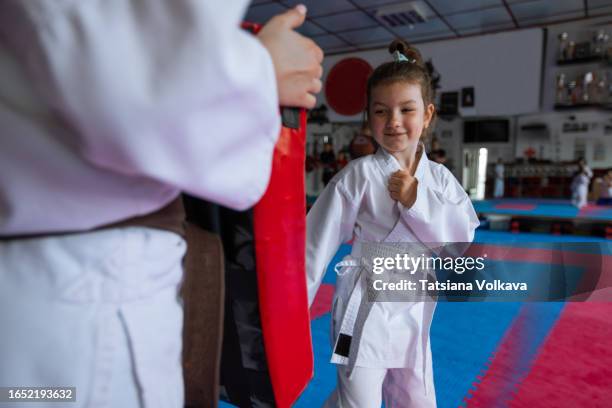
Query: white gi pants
{"points": [[498, 190], [399, 387], [580, 195], [97, 311]]}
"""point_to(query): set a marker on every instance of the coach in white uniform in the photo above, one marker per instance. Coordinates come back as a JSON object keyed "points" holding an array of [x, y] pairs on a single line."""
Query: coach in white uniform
{"points": [[108, 110]]}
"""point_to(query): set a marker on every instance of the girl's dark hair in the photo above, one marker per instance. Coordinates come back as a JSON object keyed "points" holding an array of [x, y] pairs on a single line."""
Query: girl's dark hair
{"points": [[413, 71]]}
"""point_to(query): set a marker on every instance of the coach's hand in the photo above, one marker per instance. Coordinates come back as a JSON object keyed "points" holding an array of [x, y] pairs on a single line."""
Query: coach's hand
{"points": [[297, 59]]}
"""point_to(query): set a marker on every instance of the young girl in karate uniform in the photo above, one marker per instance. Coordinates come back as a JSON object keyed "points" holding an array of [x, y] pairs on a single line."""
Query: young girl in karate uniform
{"points": [[580, 184], [395, 195]]}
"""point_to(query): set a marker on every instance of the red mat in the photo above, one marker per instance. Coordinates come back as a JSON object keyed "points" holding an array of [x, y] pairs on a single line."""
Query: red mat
{"points": [[507, 366], [574, 366], [322, 301]]}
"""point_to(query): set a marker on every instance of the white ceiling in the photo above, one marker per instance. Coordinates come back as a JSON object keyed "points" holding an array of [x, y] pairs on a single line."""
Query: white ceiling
{"points": [[351, 25]]}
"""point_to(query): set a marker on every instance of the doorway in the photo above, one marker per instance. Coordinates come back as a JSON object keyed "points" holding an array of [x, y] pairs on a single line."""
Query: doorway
{"points": [[475, 171]]}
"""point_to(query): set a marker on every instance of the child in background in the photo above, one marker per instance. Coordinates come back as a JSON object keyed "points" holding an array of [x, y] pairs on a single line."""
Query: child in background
{"points": [[580, 184], [395, 195], [498, 191]]}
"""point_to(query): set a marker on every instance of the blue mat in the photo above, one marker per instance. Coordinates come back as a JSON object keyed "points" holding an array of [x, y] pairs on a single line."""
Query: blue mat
{"points": [[464, 335], [518, 239], [543, 208]]}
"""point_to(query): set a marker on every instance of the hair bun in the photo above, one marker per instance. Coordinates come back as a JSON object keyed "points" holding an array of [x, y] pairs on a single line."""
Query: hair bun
{"points": [[408, 50]]}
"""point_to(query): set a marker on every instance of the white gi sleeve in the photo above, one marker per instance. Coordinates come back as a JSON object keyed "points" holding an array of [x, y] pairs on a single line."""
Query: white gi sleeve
{"points": [[329, 223], [171, 90], [442, 216]]}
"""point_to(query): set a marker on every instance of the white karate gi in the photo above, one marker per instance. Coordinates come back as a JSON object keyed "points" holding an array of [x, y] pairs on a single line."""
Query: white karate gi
{"points": [[499, 181], [580, 187], [356, 204], [108, 111]]}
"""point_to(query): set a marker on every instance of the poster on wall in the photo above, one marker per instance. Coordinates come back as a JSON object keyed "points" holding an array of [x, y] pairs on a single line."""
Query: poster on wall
{"points": [[467, 97]]}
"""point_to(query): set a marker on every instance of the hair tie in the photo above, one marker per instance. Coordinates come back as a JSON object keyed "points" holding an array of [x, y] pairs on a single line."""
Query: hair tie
{"points": [[399, 57]]}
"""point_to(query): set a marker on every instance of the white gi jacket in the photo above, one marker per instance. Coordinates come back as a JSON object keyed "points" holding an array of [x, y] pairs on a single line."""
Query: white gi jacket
{"points": [[108, 110], [580, 187], [356, 204]]}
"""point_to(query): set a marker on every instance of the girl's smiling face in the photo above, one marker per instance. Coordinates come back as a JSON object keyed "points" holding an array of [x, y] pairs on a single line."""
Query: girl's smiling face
{"points": [[398, 116]]}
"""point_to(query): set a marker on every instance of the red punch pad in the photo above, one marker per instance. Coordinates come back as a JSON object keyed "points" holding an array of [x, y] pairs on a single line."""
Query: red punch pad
{"points": [[280, 242]]}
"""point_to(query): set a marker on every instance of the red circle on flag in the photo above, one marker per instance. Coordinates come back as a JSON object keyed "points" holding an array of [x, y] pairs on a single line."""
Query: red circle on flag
{"points": [[345, 86]]}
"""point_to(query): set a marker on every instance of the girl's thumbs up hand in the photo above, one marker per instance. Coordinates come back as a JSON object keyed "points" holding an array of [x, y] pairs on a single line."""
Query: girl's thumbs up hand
{"points": [[403, 187]]}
